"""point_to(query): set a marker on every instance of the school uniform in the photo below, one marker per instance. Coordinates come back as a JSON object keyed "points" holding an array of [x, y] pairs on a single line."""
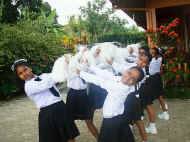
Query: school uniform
{"points": [[78, 102], [97, 95], [133, 107], [155, 79], [131, 58], [119, 68], [114, 127], [133, 103], [55, 123], [145, 92]]}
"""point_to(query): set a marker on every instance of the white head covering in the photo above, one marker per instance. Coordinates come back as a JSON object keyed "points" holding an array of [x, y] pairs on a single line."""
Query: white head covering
{"points": [[60, 70], [82, 48]]}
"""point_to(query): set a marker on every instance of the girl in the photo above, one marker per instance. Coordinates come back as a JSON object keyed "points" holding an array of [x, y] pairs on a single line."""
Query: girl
{"points": [[147, 101], [78, 102], [134, 101], [154, 70], [131, 58], [115, 128], [155, 89], [55, 123]]}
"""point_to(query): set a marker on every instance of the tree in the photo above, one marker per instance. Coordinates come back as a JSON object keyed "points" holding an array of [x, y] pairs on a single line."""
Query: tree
{"points": [[30, 9], [46, 9], [12, 10], [98, 21], [98, 24]]}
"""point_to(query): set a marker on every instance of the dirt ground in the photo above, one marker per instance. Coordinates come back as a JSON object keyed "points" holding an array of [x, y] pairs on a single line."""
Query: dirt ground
{"points": [[18, 123]]}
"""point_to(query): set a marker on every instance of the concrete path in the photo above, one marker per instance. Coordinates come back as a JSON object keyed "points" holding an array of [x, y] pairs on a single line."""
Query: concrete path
{"points": [[18, 123]]}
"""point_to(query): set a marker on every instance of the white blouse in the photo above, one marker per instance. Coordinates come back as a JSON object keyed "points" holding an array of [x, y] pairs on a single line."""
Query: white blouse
{"points": [[121, 67], [155, 65], [39, 93], [76, 83], [117, 93]]}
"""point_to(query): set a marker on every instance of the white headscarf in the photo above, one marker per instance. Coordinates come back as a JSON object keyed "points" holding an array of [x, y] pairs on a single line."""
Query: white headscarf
{"points": [[60, 70]]}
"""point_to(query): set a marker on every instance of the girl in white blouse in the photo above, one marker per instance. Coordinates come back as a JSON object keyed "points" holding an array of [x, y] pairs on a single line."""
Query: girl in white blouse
{"points": [[156, 89], [115, 128], [78, 102], [55, 123]]}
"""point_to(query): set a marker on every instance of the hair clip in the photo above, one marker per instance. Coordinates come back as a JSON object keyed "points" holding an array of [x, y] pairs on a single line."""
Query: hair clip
{"points": [[17, 62]]}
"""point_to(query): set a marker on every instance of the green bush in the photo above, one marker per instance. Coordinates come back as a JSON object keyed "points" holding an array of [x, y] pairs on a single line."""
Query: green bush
{"points": [[178, 92], [20, 41], [125, 38]]}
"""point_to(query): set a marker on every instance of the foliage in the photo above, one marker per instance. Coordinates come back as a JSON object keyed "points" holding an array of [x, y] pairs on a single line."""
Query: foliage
{"points": [[167, 34], [177, 70], [177, 92], [124, 38], [39, 41], [97, 21], [9, 12], [12, 11], [95, 24]]}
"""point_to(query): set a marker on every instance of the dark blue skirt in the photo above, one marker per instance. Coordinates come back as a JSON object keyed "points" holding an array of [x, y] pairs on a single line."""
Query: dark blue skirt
{"points": [[146, 96], [155, 84], [78, 104], [115, 129], [133, 110], [56, 124], [97, 96]]}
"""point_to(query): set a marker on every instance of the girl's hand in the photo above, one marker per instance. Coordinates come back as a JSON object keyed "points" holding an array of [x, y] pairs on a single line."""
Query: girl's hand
{"points": [[77, 71], [109, 61]]}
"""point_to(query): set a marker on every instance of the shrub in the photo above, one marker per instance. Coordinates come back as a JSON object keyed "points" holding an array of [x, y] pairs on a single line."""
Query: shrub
{"points": [[124, 38], [16, 41], [177, 92]]}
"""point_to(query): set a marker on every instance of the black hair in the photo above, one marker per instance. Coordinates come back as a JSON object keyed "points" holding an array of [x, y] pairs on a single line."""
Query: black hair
{"points": [[158, 54], [20, 62], [141, 73], [147, 52], [156, 50], [146, 48], [147, 56]]}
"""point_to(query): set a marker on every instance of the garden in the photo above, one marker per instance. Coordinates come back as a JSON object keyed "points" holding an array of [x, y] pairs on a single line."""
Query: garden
{"points": [[32, 32], [176, 69], [29, 29]]}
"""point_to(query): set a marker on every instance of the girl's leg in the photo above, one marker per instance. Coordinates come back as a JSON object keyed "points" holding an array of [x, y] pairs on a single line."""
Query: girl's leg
{"points": [[152, 117], [71, 140], [162, 103], [151, 113], [92, 128], [141, 127], [164, 115]]}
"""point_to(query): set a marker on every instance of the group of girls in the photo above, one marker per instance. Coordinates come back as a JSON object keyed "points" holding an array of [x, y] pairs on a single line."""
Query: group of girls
{"points": [[123, 89]]}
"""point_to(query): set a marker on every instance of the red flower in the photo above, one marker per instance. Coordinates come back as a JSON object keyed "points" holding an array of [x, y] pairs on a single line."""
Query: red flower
{"points": [[171, 33], [171, 25], [177, 21], [175, 35], [171, 48], [165, 32], [170, 62], [177, 76], [174, 70], [162, 27]]}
